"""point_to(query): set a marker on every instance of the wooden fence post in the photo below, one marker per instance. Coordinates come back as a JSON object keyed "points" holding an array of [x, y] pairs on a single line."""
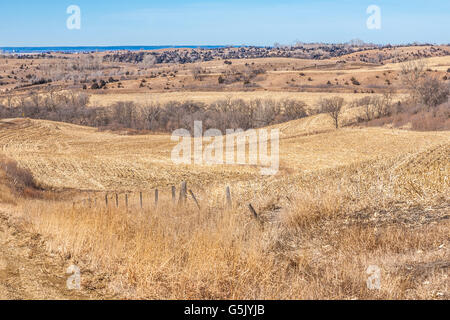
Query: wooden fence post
{"points": [[106, 200], [253, 211], [174, 194], [117, 200], [183, 192], [156, 198], [229, 203], [195, 199], [126, 201], [141, 200]]}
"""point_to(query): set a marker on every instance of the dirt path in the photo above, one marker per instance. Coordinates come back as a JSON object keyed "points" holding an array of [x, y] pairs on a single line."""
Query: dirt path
{"points": [[27, 271]]}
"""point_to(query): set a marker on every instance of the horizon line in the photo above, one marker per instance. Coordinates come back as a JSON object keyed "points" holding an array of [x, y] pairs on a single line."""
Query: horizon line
{"points": [[416, 43]]}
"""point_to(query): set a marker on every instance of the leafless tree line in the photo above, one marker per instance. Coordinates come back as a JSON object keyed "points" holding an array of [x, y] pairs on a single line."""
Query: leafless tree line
{"points": [[50, 99], [425, 108], [426, 94], [374, 107], [157, 117]]}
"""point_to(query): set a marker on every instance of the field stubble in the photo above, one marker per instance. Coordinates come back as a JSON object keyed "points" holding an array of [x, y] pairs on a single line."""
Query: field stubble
{"points": [[343, 200], [315, 239], [319, 229]]}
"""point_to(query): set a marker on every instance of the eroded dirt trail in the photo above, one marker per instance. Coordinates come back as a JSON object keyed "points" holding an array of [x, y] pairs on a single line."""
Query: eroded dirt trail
{"points": [[27, 271]]}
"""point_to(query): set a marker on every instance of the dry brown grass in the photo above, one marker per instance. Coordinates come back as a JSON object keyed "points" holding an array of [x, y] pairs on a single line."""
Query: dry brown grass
{"points": [[317, 239], [6, 195], [68, 156], [343, 200]]}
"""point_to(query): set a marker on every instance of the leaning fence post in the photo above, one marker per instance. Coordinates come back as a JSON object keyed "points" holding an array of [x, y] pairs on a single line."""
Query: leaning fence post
{"points": [[106, 200], [253, 211], [156, 198], [141, 200], [117, 200], [195, 199], [229, 203], [174, 194]]}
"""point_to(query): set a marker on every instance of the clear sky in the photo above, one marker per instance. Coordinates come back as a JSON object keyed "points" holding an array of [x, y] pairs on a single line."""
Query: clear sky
{"points": [[220, 22]]}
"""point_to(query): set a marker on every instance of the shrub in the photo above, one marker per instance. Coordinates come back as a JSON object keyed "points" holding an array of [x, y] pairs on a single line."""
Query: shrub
{"points": [[20, 179], [355, 82], [433, 92]]}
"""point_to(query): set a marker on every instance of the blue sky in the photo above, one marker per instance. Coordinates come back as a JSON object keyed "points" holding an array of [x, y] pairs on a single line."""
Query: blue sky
{"points": [[221, 22]]}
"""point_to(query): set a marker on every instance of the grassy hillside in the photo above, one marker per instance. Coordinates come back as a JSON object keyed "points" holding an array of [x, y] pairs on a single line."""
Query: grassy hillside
{"points": [[67, 156], [315, 237], [343, 200]]}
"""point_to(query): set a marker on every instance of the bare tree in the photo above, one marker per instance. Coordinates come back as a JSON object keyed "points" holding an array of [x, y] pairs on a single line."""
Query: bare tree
{"points": [[367, 105], [51, 100], [427, 90], [83, 99], [333, 107], [152, 114], [197, 72], [384, 104], [433, 92], [412, 73], [293, 109], [35, 98], [10, 100]]}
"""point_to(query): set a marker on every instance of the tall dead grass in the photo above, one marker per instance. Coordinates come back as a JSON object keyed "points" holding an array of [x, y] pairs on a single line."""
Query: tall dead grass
{"points": [[317, 244]]}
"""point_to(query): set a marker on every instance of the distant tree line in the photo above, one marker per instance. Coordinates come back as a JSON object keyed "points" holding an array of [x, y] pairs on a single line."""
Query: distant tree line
{"points": [[167, 117], [319, 51], [427, 106]]}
